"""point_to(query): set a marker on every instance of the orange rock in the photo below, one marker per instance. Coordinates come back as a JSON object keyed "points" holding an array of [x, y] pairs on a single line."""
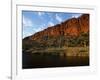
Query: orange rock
{"points": [[71, 27]]}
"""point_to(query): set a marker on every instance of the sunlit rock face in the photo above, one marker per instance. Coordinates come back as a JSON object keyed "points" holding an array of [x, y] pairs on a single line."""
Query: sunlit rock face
{"points": [[71, 27], [61, 34]]}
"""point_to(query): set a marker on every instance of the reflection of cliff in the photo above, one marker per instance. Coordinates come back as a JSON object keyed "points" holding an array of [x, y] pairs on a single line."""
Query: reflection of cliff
{"points": [[72, 32]]}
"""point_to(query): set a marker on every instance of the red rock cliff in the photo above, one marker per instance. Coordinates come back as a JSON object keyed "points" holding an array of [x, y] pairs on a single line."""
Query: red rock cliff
{"points": [[71, 27]]}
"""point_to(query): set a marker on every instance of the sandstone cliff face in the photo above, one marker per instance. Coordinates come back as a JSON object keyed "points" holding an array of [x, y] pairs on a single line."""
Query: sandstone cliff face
{"points": [[84, 23], [71, 33], [71, 27]]}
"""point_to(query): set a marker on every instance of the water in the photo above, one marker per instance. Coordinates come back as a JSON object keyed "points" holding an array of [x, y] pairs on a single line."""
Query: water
{"points": [[52, 59]]}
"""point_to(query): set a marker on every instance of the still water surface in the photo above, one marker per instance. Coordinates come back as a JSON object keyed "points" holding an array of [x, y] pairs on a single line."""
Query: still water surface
{"points": [[45, 60]]}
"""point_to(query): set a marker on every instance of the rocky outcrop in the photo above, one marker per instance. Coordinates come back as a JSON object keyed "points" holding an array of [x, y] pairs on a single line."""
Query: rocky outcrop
{"points": [[71, 27], [72, 32]]}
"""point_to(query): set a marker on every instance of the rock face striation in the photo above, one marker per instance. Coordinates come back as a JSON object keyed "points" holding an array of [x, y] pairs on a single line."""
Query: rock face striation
{"points": [[71, 27], [52, 35]]}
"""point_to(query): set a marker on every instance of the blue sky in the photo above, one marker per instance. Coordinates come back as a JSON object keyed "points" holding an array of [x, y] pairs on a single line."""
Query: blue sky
{"points": [[33, 21]]}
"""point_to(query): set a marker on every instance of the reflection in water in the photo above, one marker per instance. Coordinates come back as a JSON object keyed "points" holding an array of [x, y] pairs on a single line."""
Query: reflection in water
{"points": [[52, 59]]}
